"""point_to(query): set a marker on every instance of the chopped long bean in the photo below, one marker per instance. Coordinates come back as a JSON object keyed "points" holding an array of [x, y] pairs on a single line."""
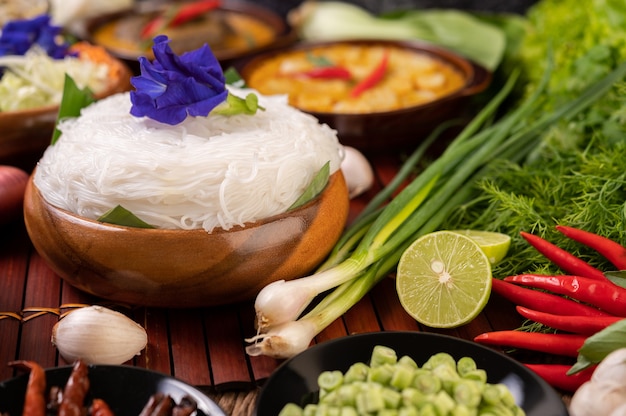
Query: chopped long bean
{"points": [[434, 388]]}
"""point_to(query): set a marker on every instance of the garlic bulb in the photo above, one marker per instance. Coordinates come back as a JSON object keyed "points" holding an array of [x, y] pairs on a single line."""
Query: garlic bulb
{"points": [[357, 171], [605, 393], [98, 335]]}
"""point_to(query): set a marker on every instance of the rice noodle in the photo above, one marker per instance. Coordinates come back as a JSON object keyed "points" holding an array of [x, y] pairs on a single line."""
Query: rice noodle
{"points": [[207, 172]]}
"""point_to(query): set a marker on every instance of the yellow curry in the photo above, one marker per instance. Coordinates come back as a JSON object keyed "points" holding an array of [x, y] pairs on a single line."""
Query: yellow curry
{"points": [[324, 78]]}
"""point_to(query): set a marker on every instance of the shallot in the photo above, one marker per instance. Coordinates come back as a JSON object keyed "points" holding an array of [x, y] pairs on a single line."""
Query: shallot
{"points": [[12, 186]]}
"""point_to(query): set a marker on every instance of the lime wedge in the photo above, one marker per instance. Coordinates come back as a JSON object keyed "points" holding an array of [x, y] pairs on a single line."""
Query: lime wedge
{"points": [[443, 279], [495, 245]]}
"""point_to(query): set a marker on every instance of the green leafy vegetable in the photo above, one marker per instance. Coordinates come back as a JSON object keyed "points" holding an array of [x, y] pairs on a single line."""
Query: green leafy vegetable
{"points": [[459, 31], [576, 175], [316, 186], [599, 345], [121, 216], [74, 100]]}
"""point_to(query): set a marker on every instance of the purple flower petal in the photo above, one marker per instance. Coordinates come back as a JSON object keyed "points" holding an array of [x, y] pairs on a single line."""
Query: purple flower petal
{"points": [[18, 36], [172, 87]]}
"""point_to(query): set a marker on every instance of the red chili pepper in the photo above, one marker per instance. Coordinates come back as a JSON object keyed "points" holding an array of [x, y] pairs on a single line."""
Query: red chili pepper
{"points": [[601, 294], [556, 375], [563, 259], [584, 325], [373, 77], [558, 344], [611, 250], [542, 301], [325, 72], [184, 13], [34, 400]]}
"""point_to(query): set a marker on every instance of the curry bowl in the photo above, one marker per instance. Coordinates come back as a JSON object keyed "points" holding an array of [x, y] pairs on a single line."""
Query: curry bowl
{"points": [[380, 95], [125, 389], [186, 268], [25, 134], [296, 380], [232, 28]]}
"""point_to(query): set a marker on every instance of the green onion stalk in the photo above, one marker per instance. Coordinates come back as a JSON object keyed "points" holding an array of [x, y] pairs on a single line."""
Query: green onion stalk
{"points": [[371, 247]]}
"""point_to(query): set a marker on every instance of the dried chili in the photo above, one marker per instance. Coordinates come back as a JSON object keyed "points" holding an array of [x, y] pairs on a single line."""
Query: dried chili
{"points": [[34, 399], [100, 408], [75, 391]]}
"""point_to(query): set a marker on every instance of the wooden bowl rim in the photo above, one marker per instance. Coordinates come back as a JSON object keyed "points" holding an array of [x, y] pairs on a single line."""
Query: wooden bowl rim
{"points": [[477, 77], [284, 34], [52, 108], [87, 222]]}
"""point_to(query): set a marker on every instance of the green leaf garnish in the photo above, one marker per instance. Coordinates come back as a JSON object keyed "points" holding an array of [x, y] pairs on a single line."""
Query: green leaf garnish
{"points": [[121, 216], [232, 77], [319, 61], [235, 105], [599, 345], [617, 277], [74, 99], [316, 186]]}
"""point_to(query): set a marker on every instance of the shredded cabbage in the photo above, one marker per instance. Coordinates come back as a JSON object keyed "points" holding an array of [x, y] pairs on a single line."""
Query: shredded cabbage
{"points": [[36, 80]]}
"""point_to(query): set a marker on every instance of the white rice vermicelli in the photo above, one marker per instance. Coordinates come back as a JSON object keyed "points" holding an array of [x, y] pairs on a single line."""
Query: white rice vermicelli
{"points": [[207, 172]]}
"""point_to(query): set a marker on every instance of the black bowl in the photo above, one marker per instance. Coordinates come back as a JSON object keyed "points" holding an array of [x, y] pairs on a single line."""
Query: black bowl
{"points": [[125, 389], [296, 379]]}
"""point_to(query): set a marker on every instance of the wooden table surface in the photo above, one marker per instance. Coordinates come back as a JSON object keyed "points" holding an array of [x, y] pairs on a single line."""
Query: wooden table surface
{"points": [[203, 347]]}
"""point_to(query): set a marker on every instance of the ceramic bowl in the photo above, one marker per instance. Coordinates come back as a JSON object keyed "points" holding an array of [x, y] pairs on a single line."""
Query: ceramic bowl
{"points": [[296, 379], [124, 388], [250, 29], [372, 132], [186, 268], [25, 134]]}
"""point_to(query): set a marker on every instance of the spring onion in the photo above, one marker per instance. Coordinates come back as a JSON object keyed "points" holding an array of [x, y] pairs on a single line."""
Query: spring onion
{"points": [[377, 241]]}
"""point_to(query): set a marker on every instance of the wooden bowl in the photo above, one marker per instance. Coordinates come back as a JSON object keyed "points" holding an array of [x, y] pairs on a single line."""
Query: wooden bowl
{"points": [[25, 134], [186, 268], [390, 131]]}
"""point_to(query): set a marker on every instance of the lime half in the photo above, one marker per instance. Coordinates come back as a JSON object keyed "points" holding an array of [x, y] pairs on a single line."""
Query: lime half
{"points": [[443, 279], [495, 245]]}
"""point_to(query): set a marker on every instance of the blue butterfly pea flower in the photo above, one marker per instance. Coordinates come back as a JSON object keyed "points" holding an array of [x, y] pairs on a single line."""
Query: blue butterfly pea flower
{"points": [[173, 87], [18, 36]]}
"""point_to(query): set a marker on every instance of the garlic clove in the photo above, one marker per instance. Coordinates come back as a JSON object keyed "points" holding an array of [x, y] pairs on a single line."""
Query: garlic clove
{"points": [[98, 335], [357, 171]]}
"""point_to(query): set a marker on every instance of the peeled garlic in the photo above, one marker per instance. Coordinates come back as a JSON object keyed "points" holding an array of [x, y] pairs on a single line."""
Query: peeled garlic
{"points": [[98, 335]]}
